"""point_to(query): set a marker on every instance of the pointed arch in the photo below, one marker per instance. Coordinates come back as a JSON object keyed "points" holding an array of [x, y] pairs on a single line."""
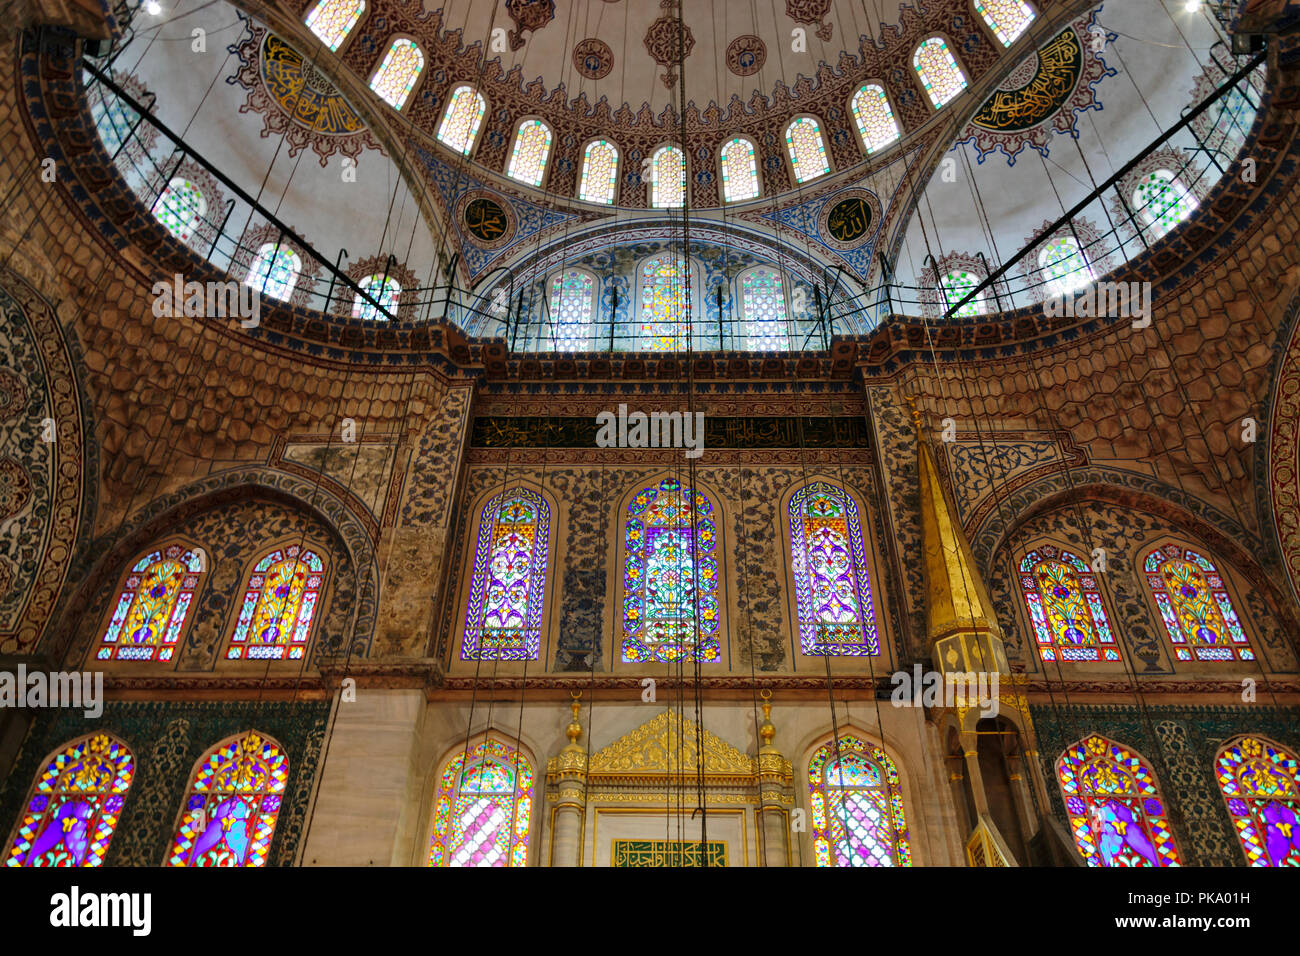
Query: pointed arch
{"points": [[1112, 799], [875, 117], [483, 807], [1192, 598], [153, 604], [938, 71], [73, 806], [1065, 607], [599, 182], [1260, 780], [807, 149], [231, 804], [531, 151], [333, 20], [395, 78], [739, 167], [281, 594], [856, 798]]}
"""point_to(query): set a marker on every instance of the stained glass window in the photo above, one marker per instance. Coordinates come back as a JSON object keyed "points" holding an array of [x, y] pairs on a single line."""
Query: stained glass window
{"points": [[532, 147], [762, 306], [465, 110], [1064, 268], [599, 172], [803, 138], [1117, 815], [396, 77], [275, 619], [113, 119], [663, 303], [508, 584], [857, 806], [832, 587], [667, 178], [1195, 606], [572, 300], [232, 804], [332, 20], [275, 270], [1162, 202], [1006, 18], [483, 809], [386, 292], [670, 576], [958, 284], [875, 117], [74, 805], [180, 207], [152, 605], [1065, 607], [739, 170], [1261, 783], [938, 70]]}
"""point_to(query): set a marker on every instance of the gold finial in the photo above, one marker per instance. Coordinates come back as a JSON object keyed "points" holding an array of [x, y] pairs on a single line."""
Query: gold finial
{"points": [[574, 730], [766, 731], [916, 413]]}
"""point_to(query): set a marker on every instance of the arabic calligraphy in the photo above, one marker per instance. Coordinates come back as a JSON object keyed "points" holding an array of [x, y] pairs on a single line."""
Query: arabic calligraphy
{"points": [[1060, 64], [308, 99], [485, 219], [850, 219], [756, 432], [629, 853]]}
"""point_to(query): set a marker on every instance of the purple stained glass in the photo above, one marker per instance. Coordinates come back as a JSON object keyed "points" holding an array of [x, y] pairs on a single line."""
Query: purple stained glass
{"points": [[504, 618], [832, 587]]}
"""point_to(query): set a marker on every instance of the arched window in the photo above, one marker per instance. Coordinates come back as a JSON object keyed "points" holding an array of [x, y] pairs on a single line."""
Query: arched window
{"points": [[938, 70], [1006, 18], [1162, 202], [151, 608], [1194, 603], [1261, 783], [857, 806], [739, 170], [333, 20], [663, 303], [955, 286], [180, 207], [803, 138], [1065, 269], [1065, 606], [832, 588], [232, 804], [763, 310], [875, 117], [572, 296], [113, 119], [74, 805], [483, 809], [464, 114], [667, 178], [275, 270], [670, 576], [1117, 815], [396, 76], [508, 584], [279, 602], [599, 172], [385, 291], [532, 148]]}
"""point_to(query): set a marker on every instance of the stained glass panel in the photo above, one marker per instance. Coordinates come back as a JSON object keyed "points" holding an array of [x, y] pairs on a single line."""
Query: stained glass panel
{"points": [[670, 576], [232, 805], [396, 77], [572, 300], [152, 605], [275, 618], [1065, 607], [803, 138], [275, 270], [332, 20], [1195, 606], [1064, 268], [667, 178], [1117, 816], [74, 805], [113, 120], [1261, 783], [857, 806], [386, 292], [481, 816], [832, 587], [532, 148], [1162, 202], [663, 304], [875, 118], [938, 70], [180, 207], [762, 306], [1006, 18], [508, 584], [956, 286], [739, 170], [599, 172]]}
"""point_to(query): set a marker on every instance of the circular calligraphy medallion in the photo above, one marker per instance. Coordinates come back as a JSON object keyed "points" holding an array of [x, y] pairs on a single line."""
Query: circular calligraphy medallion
{"points": [[847, 220], [746, 55], [487, 218], [1037, 89], [593, 58]]}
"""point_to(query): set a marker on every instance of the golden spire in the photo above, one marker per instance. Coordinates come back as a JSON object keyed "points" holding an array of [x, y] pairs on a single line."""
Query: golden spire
{"points": [[574, 730], [956, 598], [766, 731]]}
